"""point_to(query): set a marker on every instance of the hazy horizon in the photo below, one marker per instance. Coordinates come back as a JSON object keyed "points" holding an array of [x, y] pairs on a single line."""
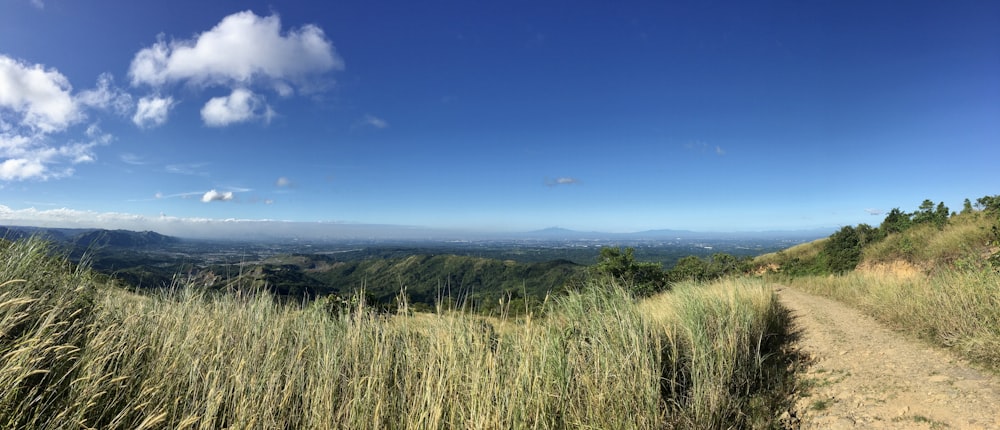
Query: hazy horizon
{"points": [[283, 230]]}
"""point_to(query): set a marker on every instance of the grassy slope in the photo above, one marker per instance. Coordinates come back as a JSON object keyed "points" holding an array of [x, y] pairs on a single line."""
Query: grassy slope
{"points": [[933, 283], [77, 353]]}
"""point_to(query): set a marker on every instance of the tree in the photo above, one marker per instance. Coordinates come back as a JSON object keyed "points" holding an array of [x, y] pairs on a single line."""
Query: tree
{"points": [[941, 215], [690, 268], [868, 235], [843, 250], [966, 207], [896, 221], [988, 203], [643, 278], [721, 265], [925, 213]]}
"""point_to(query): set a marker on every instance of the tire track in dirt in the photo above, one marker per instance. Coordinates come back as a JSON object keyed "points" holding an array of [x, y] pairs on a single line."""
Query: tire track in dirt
{"points": [[862, 375]]}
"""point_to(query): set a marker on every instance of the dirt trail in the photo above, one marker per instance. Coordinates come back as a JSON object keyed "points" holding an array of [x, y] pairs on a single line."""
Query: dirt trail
{"points": [[862, 375]]}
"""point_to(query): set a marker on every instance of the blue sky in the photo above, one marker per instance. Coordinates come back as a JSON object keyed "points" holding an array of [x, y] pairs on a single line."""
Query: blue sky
{"points": [[497, 116]]}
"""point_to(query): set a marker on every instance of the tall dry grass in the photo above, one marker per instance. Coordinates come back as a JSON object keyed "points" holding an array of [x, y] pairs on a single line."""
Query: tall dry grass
{"points": [[928, 246], [78, 354], [935, 283], [957, 307]]}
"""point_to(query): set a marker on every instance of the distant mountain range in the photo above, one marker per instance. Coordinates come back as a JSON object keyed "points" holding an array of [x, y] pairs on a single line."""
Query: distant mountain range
{"points": [[90, 238], [558, 233]]}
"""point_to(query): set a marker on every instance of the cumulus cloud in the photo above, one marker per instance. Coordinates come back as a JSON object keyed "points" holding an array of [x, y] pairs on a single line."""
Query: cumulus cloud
{"points": [[242, 48], [244, 52], [565, 180], [215, 196], [20, 169], [36, 105], [241, 105], [38, 98], [152, 111]]}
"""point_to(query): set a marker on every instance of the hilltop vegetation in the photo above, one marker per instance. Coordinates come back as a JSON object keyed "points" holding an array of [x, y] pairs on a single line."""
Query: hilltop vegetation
{"points": [[80, 353], [932, 273], [424, 279]]}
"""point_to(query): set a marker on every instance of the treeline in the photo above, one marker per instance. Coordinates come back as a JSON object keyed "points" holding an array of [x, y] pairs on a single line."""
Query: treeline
{"points": [[646, 278], [844, 249]]}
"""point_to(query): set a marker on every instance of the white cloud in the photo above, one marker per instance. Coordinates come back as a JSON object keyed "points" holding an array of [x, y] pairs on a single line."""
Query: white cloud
{"points": [[20, 169], [106, 96], [242, 48], [565, 180], [152, 111], [38, 4], [240, 106], [129, 158], [213, 196], [36, 107], [194, 169], [283, 182], [872, 211], [241, 52], [38, 99], [375, 121]]}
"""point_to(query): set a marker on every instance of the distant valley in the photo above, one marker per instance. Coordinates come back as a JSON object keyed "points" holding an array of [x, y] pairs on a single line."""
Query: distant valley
{"points": [[523, 266]]}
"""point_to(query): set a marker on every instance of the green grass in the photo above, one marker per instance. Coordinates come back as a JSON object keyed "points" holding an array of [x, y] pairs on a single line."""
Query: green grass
{"points": [[821, 405], [77, 353]]}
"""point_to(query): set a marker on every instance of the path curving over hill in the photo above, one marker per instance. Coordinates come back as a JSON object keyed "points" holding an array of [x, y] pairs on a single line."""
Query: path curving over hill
{"points": [[862, 375]]}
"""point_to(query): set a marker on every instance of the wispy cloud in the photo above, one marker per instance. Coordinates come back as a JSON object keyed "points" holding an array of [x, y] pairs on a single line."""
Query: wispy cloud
{"points": [[705, 148], [243, 51], [374, 121], [38, 4], [874, 211], [106, 95], [129, 158], [564, 180], [283, 182], [193, 169]]}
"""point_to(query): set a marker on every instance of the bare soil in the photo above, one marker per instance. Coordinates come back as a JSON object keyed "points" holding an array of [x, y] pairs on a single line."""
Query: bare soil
{"points": [[861, 375]]}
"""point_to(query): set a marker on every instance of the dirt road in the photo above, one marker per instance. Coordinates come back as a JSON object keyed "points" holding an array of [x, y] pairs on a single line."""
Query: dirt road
{"points": [[862, 375]]}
